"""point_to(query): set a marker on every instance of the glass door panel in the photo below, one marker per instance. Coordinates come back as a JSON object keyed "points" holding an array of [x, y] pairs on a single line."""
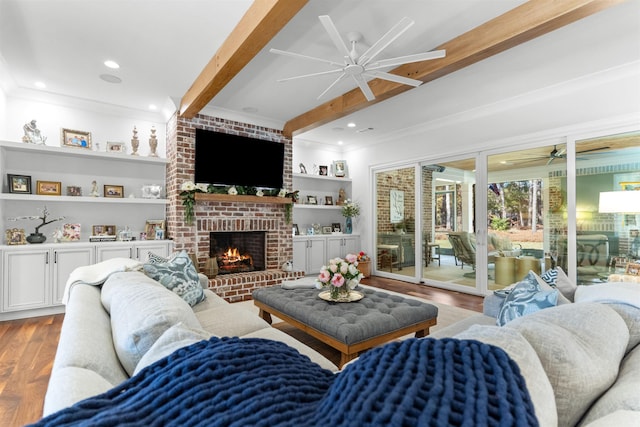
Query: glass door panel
{"points": [[395, 238], [448, 224], [526, 208], [607, 206]]}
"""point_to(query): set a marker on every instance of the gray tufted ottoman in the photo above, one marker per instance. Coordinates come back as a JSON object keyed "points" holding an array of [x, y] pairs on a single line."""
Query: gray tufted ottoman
{"points": [[348, 327]]}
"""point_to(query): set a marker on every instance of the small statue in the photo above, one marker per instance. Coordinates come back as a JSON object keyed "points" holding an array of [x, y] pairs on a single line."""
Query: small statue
{"points": [[153, 142], [134, 142], [94, 189], [57, 235], [342, 197], [32, 134]]}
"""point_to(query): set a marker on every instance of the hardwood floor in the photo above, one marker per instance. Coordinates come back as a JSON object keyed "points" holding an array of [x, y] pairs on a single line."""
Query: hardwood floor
{"points": [[28, 346]]}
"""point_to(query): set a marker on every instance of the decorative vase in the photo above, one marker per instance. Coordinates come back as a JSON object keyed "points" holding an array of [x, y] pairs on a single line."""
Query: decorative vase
{"points": [[365, 268], [349, 226], [36, 238], [340, 294]]}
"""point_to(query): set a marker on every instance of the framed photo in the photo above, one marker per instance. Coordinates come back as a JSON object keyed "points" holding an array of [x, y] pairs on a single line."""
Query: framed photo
{"points": [[103, 230], [336, 227], [15, 236], [339, 168], [296, 230], [396, 206], [328, 200], [116, 191], [630, 186], [633, 269], [74, 191], [311, 200], [76, 138], [324, 170], [116, 147], [71, 232], [19, 183], [152, 228], [326, 229], [48, 188]]}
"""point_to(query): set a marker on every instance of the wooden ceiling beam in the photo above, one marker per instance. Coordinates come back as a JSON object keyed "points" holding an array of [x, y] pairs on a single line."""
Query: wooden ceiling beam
{"points": [[519, 25], [262, 21]]}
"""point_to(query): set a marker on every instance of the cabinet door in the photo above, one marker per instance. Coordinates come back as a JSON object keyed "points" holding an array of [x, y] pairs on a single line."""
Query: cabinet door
{"points": [[351, 245], [26, 279], [335, 247], [316, 255], [161, 248], [108, 251], [65, 260], [300, 254]]}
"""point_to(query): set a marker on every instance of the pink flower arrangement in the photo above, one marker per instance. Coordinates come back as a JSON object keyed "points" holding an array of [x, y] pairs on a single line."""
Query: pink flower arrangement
{"points": [[340, 276]]}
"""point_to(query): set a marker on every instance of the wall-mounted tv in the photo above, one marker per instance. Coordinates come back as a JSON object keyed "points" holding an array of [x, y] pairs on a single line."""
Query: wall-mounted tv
{"points": [[226, 159]]}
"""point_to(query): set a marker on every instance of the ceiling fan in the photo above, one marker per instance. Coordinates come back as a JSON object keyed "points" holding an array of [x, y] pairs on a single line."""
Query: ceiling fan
{"points": [[360, 66], [561, 154]]}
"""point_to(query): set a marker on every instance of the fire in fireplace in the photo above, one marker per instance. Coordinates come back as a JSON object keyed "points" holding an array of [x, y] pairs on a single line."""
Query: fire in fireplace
{"points": [[238, 252]]}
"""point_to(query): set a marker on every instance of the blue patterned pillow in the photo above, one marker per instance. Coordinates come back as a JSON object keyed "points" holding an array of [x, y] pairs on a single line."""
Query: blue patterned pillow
{"points": [[551, 277], [526, 297], [179, 275]]}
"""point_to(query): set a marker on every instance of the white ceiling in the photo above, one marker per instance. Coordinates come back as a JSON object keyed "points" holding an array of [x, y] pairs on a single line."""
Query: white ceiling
{"points": [[162, 45]]}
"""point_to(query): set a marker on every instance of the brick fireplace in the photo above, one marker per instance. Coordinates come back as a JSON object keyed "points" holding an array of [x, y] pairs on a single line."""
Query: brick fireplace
{"points": [[226, 216]]}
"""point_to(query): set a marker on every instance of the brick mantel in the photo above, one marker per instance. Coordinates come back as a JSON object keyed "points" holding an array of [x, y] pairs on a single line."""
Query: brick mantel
{"points": [[221, 211]]}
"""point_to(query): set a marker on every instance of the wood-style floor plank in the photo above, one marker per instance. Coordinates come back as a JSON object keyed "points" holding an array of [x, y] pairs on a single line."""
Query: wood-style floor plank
{"points": [[28, 346]]}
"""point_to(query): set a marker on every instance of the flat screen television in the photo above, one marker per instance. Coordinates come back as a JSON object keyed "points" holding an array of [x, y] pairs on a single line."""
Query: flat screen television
{"points": [[226, 159]]}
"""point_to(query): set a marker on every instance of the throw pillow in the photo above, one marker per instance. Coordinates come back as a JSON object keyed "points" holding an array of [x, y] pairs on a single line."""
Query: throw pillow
{"points": [[180, 276], [526, 297], [557, 278], [154, 258], [546, 286]]}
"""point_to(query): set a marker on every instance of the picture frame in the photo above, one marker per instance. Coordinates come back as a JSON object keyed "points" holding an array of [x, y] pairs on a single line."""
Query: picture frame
{"points": [[336, 227], [633, 269], [74, 191], [48, 188], [115, 191], [328, 200], [20, 184], [15, 236], [630, 185], [323, 170], [151, 226], [103, 230], [71, 232], [296, 230], [311, 200], [396, 206], [326, 229], [75, 138], [116, 147], [340, 169]]}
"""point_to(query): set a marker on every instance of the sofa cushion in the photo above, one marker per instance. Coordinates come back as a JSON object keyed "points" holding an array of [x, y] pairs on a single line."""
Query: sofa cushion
{"points": [[230, 320], [70, 385], [624, 394], [580, 347], [174, 338], [211, 300], [179, 275], [141, 310], [525, 298], [531, 369]]}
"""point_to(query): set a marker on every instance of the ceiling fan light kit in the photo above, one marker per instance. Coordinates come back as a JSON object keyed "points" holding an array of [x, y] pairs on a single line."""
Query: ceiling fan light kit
{"points": [[358, 67]]}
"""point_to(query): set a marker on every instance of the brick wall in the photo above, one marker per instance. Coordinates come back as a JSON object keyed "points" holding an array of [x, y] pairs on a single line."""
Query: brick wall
{"points": [[225, 216]]}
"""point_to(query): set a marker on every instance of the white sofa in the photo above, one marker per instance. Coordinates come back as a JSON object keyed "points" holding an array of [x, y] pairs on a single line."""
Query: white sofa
{"points": [[110, 331]]}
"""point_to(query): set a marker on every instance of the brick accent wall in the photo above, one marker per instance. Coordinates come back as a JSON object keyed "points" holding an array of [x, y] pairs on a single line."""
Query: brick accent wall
{"points": [[225, 216]]}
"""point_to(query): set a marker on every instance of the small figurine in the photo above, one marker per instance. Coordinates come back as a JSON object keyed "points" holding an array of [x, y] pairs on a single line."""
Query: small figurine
{"points": [[94, 189], [153, 142], [32, 133], [342, 197], [134, 142], [57, 235]]}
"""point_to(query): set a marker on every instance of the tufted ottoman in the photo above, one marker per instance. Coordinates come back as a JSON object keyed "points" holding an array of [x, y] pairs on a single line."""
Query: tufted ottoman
{"points": [[348, 327]]}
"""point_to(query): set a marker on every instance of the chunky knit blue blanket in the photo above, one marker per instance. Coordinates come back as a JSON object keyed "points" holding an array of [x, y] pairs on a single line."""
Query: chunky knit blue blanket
{"points": [[255, 382]]}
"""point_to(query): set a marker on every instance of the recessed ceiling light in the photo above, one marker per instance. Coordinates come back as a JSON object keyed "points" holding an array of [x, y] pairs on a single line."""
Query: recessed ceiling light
{"points": [[351, 125], [340, 142], [40, 85], [112, 64], [153, 107], [110, 78]]}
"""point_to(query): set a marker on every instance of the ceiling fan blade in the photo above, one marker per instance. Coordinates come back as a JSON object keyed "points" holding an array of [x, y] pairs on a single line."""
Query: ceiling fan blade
{"points": [[592, 149], [301, 56], [384, 41], [364, 87], [393, 78], [400, 60], [321, 73], [342, 76], [335, 37]]}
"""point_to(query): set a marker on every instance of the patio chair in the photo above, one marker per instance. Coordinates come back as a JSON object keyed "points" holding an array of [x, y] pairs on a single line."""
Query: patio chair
{"points": [[464, 248]]}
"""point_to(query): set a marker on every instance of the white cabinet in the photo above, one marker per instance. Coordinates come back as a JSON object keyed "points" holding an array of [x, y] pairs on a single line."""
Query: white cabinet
{"points": [[309, 254], [135, 249], [341, 245], [65, 260], [26, 278], [79, 167]]}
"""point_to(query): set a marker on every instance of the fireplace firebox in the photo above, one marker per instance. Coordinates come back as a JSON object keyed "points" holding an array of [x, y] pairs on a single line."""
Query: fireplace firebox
{"points": [[238, 251]]}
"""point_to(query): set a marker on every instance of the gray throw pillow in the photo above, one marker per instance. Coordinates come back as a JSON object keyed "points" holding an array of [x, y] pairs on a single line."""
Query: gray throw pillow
{"points": [[180, 276], [526, 297]]}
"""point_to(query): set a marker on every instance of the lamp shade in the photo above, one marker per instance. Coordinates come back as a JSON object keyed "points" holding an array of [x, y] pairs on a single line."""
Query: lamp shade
{"points": [[619, 202]]}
